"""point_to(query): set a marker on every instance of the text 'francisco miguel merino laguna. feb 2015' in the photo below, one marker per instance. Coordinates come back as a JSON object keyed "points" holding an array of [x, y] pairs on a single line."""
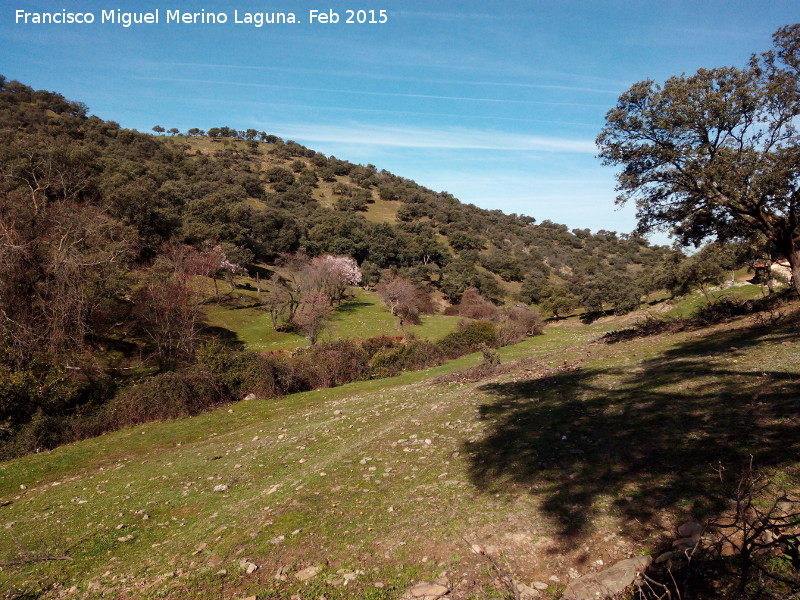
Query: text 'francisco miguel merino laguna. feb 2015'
{"points": [[202, 17]]}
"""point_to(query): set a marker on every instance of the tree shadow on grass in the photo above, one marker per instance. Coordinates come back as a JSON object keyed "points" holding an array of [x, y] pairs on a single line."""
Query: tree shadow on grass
{"points": [[350, 307], [634, 442]]}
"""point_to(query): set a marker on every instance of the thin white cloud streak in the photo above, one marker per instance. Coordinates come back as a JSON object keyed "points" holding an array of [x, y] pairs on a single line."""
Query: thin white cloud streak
{"points": [[372, 111], [364, 92], [355, 74], [413, 137], [449, 16]]}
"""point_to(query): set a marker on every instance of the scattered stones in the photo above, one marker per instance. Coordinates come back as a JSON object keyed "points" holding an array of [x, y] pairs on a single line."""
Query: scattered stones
{"points": [[524, 592], [307, 573], [609, 582], [280, 574], [222, 487]]}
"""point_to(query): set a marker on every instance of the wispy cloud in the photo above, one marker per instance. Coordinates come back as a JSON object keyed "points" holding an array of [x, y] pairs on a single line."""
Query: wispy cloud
{"points": [[416, 137], [385, 77], [449, 16], [365, 92]]}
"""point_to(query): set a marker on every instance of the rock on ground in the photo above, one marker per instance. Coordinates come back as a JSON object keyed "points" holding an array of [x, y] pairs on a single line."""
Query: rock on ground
{"points": [[427, 590], [307, 573], [597, 586]]}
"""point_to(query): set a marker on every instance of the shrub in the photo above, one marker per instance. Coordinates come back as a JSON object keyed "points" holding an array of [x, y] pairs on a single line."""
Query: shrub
{"points": [[390, 360], [167, 396], [520, 323], [333, 363], [474, 306], [468, 338]]}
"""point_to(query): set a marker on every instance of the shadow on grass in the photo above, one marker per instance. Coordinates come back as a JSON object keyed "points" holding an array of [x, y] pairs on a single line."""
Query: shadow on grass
{"points": [[350, 307], [643, 440], [226, 336]]}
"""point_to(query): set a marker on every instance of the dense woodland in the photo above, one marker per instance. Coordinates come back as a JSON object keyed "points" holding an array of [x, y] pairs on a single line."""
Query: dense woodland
{"points": [[105, 231]]}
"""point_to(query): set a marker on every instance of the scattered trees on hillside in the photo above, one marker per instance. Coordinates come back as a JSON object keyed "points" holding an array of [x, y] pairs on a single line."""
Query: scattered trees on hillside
{"points": [[715, 154]]}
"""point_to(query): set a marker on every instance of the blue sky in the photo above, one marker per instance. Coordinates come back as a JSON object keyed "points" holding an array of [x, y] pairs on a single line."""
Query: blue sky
{"points": [[497, 103]]}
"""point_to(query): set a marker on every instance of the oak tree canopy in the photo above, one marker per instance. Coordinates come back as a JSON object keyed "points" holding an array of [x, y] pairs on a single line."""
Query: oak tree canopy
{"points": [[715, 154]]}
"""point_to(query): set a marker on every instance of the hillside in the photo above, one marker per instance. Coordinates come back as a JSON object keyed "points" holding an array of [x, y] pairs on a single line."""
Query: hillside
{"points": [[122, 254], [581, 455]]}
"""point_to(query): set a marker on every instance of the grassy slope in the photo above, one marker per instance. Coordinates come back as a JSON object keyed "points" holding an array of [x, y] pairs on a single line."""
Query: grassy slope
{"points": [[554, 468]]}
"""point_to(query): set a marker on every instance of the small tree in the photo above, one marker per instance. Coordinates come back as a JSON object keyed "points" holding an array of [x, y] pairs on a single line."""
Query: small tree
{"points": [[159, 129], [330, 276], [313, 316], [405, 299]]}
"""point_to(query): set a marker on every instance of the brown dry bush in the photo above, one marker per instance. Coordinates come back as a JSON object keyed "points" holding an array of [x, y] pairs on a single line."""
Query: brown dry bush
{"points": [[166, 396], [475, 306]]}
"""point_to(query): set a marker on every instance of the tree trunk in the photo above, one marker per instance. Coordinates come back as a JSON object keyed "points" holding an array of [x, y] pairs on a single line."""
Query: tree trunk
{"points": [[794, 263]]}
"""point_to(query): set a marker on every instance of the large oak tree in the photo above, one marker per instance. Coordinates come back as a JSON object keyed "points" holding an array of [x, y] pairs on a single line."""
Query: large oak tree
{"points": [[716, 153]]}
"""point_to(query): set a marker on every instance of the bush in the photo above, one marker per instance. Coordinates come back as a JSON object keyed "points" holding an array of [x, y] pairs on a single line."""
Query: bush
{"points": [[393, 359], [521, 323], [468, 338], [475, 306], [167, 396], [333, 363]]}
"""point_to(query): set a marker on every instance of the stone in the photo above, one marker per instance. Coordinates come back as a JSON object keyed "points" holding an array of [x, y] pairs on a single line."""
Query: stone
{"points": [[125, 538], [222, 487], [525, 592], [427, 590], [248, 566], [280, 574], [250, 396], [686, 541], [307, 573], [610, 582], [690, 529], [539, 585], [666, 556], [200, 547]]}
